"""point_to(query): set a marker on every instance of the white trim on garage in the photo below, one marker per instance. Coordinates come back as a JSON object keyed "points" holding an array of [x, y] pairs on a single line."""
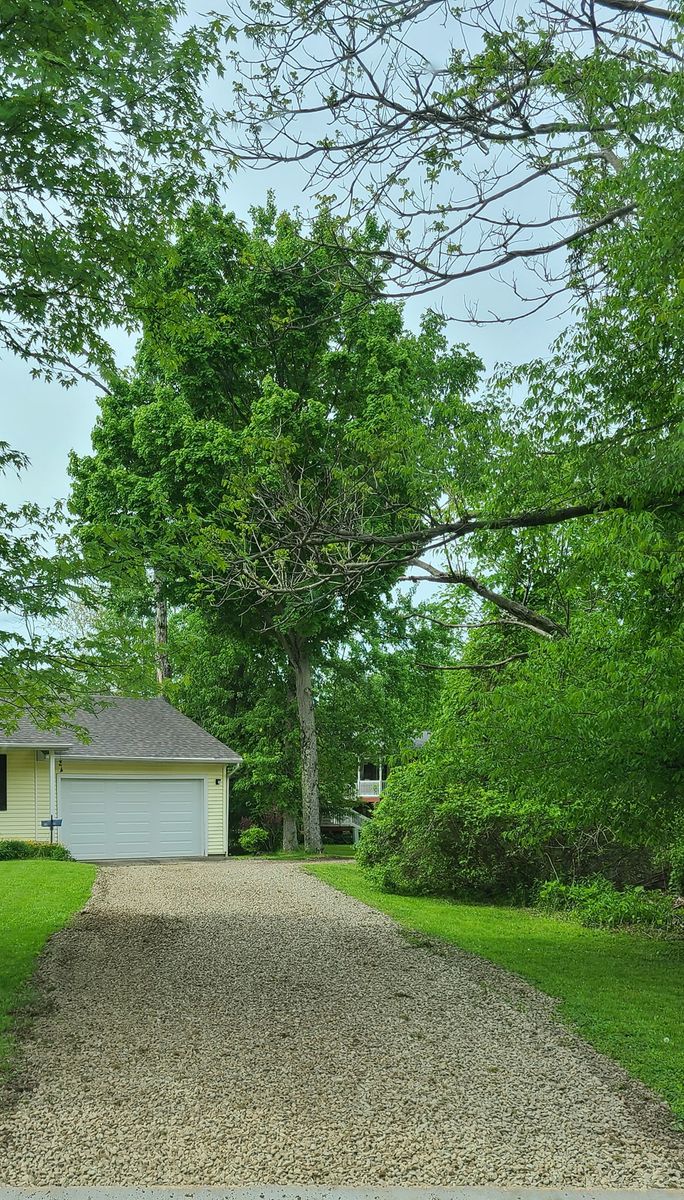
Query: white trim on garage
{"points": [[114, 775]]}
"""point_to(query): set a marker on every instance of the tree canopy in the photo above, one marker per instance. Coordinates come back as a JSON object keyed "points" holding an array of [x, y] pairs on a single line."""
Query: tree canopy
{"points": [[491, 141], [103, 137], [268, 403]]}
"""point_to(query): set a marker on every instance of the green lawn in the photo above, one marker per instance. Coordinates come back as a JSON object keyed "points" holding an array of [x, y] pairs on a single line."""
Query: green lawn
{"points": [[330, 850], [624, 992], [36, 898]]}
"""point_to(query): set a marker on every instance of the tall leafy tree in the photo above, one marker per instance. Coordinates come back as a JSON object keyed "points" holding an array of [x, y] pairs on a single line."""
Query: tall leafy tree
{"points": [[103, 132], [553, 139], [272, 404]]}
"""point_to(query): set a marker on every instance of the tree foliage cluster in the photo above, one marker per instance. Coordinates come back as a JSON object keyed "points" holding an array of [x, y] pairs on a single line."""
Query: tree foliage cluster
{"points": [[490, 141], [569, 758], [564, 744], [47, 662], [284, 450], [269, 408], [104, 137]]}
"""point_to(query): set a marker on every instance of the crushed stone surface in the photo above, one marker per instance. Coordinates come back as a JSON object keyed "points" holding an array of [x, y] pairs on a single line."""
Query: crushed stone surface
{"points": [[209, 1023]]}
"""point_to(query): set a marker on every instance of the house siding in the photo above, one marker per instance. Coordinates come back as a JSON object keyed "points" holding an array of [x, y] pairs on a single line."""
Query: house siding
{"points": [[28, 797], [216, 793], [42, 767]]}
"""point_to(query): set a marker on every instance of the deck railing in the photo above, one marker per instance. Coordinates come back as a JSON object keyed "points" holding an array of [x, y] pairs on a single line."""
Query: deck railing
{"points": [[347, 820], [369, 787]]}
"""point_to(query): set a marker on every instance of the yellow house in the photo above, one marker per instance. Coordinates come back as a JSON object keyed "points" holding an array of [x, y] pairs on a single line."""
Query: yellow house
{"points": [[146, 782]]}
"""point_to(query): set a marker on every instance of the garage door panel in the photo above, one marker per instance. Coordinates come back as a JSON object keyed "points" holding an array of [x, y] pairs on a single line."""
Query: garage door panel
{"points": [[132, 818]]}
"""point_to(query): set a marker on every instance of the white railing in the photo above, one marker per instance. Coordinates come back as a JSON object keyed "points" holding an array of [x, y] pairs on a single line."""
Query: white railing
{"points": [[348, 819], [369, 787]]}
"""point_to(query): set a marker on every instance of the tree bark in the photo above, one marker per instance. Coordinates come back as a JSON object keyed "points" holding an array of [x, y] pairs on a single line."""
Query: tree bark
{"points": [[289, 831], [161, 633], [298, 654]]}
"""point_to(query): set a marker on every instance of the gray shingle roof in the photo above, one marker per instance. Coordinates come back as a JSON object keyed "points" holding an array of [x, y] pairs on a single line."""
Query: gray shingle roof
{"points": [[123, 728]]}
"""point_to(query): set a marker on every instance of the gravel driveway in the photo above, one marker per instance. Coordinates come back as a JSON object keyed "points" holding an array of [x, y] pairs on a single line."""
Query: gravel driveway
{"points": [[240, 1022]]}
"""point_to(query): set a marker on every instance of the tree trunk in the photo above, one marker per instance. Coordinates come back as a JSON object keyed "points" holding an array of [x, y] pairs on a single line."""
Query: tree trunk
{"points": [[289, 831], [298, 653], [161, 633]]}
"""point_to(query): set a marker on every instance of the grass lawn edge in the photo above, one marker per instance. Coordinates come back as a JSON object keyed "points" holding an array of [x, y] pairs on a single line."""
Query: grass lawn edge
{"points": [[330, 853], [622, 993], [39, 897]]}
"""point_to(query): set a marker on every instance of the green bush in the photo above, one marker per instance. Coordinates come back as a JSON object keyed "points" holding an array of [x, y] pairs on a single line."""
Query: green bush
{"points": [[597, 902], [12, 848], [434, 834], [254, 840], [676, 860], [430, 838]]}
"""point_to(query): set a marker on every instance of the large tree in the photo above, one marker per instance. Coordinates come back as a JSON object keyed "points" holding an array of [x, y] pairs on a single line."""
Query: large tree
{"points": [[594, 429], [551, 137], [273, 404], [370, 703]]}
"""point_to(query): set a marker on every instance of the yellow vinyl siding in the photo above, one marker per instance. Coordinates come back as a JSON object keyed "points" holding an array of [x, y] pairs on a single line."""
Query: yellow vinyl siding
{"points": [[216, 811], [216, 803], [42, 796], [28, 800]]}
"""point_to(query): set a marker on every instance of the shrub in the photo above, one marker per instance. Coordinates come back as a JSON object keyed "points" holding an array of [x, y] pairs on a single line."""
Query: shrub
{"points": [[597, 902], [428, 837], [434, 833], [13, 848], [676, 860], [254, 840]]}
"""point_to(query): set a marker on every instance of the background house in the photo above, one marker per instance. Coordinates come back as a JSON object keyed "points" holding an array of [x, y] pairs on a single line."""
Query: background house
{"points": [[347, 826], [371, 778]]}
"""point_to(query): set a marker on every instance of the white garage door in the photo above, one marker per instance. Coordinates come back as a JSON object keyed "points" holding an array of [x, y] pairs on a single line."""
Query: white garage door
{"points": [[132, 818]]}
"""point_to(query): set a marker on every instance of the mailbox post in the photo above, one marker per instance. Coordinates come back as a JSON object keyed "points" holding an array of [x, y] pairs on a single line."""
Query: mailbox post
{"points": [[52, 823]]}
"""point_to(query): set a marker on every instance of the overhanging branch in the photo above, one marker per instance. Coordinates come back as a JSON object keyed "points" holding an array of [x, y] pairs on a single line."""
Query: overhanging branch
{"points": [[491, 666], [524, 615]]}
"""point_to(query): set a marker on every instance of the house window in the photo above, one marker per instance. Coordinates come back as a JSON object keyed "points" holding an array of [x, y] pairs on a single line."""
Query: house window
{"points": [[370, 771], [3, 783]]}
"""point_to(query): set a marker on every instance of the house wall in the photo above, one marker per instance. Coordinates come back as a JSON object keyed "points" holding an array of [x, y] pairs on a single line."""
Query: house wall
{"points": [[28, 791], [216, 792], [28, 797]]}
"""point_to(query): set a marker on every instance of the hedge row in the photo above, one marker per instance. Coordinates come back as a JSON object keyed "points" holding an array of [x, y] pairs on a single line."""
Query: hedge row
{"points": [[13, 848]]}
